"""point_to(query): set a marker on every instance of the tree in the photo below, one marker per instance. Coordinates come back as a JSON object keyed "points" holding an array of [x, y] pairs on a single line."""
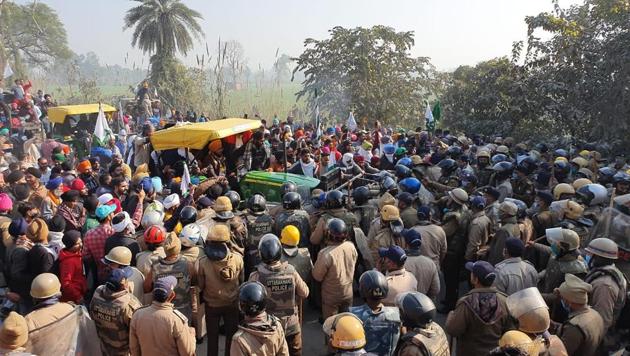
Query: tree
{"points": [[368, 70], [33, 36], [234, 61], [163, 28]]}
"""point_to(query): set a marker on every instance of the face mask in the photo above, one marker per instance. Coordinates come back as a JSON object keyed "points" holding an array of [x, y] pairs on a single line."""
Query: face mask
{"points": [[565, 306], [555, 250], [587, 259]]}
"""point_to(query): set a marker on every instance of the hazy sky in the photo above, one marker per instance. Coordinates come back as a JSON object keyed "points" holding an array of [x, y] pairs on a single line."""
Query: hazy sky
{"points": [[450, 32]]}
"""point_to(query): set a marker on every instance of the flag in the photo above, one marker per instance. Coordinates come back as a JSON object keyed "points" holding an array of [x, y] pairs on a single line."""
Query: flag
{"points": [[7, 71], [318, 125], [185, 180], [101, 130], [428, 114], [352, 123], [437, 111]]}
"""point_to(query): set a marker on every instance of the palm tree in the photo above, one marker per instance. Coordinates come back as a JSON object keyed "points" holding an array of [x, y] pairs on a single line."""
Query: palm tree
{"points": [[163, 27]]}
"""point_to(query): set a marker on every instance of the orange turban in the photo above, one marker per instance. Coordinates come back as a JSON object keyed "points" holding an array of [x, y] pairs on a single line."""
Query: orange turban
{"points": [[83, 166], [215, 146]]}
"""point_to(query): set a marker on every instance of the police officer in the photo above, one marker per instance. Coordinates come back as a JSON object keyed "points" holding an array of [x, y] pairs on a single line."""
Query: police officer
{"points": [[574, 220], [421, 267], [284, 189], [479, 231], [46, 290], [111, 309], [335, 208], [433, 237], [385, 231], [564, 258], [399, 280], [408, 214], [514, 274], [523, 186], [381, 323], [509, 228], [259, 333], [285, 289], [191, 239], [423, 336], [334, 267], [584, 329], [491, 195], [154, 237], [609, 285], [238, 229], [220, 274], [298, 257], [543, 219], [502, 175], [259, 223], [14, 335], [177, 266], [345, 335], [455, 224], [159, 329], [482, 169], [594, 197], [120, 257], [293, 215], [363, 211]]}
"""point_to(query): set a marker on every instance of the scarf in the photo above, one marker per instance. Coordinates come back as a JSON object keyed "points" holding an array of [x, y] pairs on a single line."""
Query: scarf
{"points": [[55, 199], [308, 168], [47, 302]]}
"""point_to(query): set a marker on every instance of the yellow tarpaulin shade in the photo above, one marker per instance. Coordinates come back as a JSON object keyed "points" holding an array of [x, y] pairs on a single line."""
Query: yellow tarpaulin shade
{"points": [[58, 114], [196, 136]]}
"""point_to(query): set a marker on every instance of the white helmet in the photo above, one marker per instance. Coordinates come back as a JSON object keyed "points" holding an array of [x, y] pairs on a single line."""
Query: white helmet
{"points": [[151, 218], [190, 235], [155, 206], [592, 194]]}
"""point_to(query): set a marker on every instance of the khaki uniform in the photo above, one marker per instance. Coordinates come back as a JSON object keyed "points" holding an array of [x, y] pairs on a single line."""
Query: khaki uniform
{"points": [[218, 282], [425, 272], [335, 269], [111, 312], [478, 235], [381, 236], [527, 230], [260, 336], [317, 236], [159, 329], [509, 228], [477, 327], [238, 233], [455, 224], [409, 217], [44, 316], [492, 212], [582, 332], [284, 286], [399, 281], [609, 292], [192, 255], [558, 267], [145, 259], [429, 341], [433, 242], [514, 274]]}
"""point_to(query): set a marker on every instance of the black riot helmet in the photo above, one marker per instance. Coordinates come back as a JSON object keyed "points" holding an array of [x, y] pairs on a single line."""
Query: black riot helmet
{"points": [[337, 229], [335, 199], [291, 200], [269, 248], [257, 203], [360, 195], [373, 285], [503, 170], [234, 197], [416, 310], [288, 187], [188, 215], [252, 298]]}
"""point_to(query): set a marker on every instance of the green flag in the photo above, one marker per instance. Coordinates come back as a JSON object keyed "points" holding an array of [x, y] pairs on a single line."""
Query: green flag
{"points": [[437, 111]]}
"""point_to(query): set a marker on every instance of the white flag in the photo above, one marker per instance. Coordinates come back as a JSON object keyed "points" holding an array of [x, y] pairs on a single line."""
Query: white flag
{"points": [[428, 114], [185, 180], [7, 71], [101, 130], [352, 123]]}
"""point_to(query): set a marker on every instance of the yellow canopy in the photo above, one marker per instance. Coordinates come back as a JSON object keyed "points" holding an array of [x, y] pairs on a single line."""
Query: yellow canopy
{"points": [[58, 114], [197, 135]]}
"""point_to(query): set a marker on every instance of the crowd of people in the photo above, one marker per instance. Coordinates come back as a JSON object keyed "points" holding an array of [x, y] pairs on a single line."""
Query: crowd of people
{"points": [[523, 247]]}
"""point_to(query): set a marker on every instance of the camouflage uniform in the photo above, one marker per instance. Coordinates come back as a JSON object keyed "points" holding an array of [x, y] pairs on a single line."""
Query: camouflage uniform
{"points": [[111, 312], [180, 269]]}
